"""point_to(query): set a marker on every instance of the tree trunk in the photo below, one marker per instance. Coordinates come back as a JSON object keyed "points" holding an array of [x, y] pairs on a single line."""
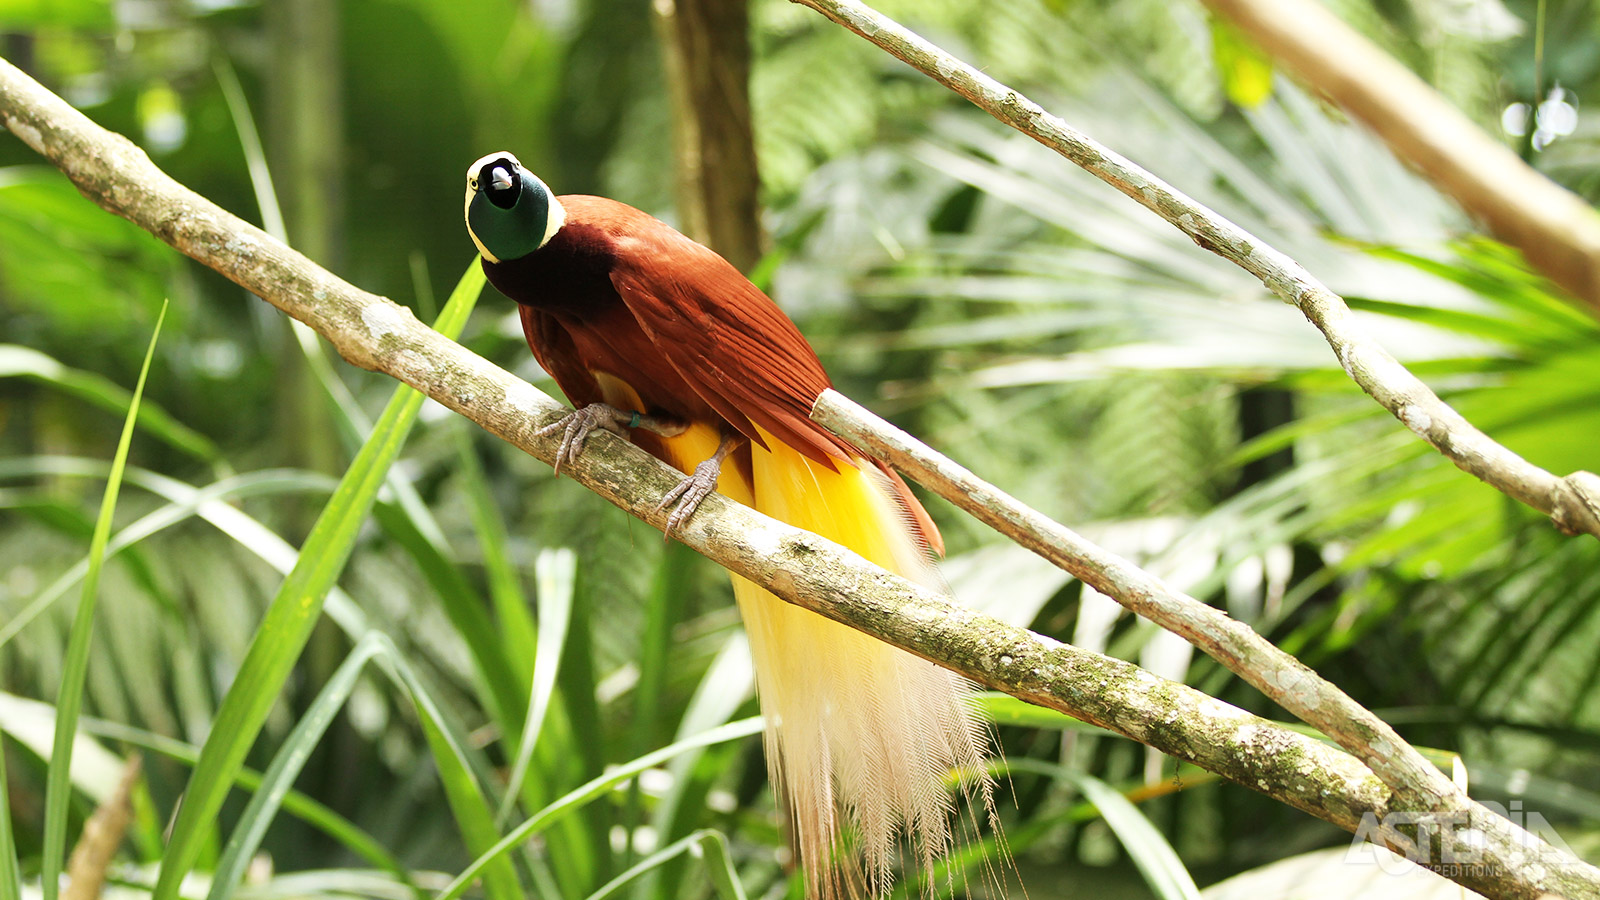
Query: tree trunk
{"points": [[707, 50]]}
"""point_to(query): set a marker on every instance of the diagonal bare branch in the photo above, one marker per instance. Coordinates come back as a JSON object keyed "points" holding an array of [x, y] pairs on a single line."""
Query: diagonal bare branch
{"points": [[1573, 502], [1286, 680]]}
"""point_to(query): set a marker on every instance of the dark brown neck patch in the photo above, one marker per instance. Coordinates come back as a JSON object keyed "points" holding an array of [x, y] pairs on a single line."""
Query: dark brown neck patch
{"points": [[569, 277]]}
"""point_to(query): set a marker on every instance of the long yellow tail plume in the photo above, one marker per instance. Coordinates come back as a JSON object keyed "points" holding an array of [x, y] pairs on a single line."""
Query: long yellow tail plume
{"points": [[861, 736]]}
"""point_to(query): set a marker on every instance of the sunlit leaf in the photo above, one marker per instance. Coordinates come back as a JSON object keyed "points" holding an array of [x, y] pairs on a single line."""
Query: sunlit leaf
{"points": [[69, 699], [1246, 69]]}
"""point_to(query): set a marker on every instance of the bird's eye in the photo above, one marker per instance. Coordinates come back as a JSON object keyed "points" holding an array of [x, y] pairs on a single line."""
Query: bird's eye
{"points": [[472, 184]]}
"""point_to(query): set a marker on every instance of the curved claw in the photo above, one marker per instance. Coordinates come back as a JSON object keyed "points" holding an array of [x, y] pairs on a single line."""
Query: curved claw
{"points": [[688, 494], [577, 425]]}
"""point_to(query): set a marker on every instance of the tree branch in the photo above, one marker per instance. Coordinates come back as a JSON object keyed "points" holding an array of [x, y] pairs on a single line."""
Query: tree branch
{"points": [[1293, 685], [1573, 503], [1286, 680], [1554, 228], [800, 567]]}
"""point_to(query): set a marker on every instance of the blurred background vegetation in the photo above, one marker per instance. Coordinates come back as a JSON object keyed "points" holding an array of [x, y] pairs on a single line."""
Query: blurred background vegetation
{"points": [[1009, 309]]}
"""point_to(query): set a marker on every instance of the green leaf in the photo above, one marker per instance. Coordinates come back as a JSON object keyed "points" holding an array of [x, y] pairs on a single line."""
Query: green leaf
{"points": [[505, 583], [31, 725], [350, 416], [581, 795], [497, 680], [557, 570], [25, 362], [663, 606], [69, 701], [10, 875], [719, 862], [293, 612], [295, 803], [473, 814], [285, 768], [255, 156], [1004, 709], [1163, 871], [560, 755], [235, 488], [495, 676], [27, 15], [722, 690], [707, 844], [1246, 71]]}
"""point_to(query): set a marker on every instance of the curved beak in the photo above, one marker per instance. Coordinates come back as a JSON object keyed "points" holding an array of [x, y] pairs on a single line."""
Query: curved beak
{"points": [[500, 178]]}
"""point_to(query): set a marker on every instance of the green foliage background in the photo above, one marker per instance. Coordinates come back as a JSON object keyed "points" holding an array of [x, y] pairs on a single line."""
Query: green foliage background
{"points": [[1012, 311]]}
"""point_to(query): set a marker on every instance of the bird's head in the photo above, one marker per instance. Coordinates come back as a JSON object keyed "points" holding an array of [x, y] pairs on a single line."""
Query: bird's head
{"points": [[510, 212]]}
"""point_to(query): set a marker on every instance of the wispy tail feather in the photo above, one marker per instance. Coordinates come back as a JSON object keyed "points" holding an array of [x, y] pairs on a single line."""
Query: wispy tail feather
{"points": [[862, 737]]}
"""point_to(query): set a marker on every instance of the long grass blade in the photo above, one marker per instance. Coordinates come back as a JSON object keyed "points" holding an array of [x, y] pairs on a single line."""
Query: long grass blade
{"points": [[713, 848], [1004, 709], [293, 612], [31, 725], [707, 844], [25, 362], [253, 484], [69, 701], [299, 805], [255, 157], [285, 768], [557, 570], [450, 756], [577, 707], [1163, 871], [350, 416], [494, 674], [251, 536], [505, 583], [716, 699], [10, 874], [473, 814], [561, 757], [581, 795], [663, 610]]}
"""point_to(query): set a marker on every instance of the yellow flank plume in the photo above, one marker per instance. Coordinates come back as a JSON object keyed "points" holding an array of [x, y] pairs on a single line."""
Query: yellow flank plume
{"points": [[861, 737]]}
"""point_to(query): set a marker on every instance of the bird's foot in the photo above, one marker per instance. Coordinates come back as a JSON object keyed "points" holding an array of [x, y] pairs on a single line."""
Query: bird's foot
{"points": [[576, 426], [689, 493]]}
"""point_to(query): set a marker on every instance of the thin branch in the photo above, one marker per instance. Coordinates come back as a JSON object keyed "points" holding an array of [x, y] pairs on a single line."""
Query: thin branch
{"points": [[101, 838], [1286, 680], [1281, 677], [1554, 228], [800, 567], [1573, 503]]}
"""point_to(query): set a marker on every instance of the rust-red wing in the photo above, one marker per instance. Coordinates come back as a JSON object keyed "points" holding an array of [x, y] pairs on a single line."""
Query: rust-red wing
{"points": [[727, 339]]}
